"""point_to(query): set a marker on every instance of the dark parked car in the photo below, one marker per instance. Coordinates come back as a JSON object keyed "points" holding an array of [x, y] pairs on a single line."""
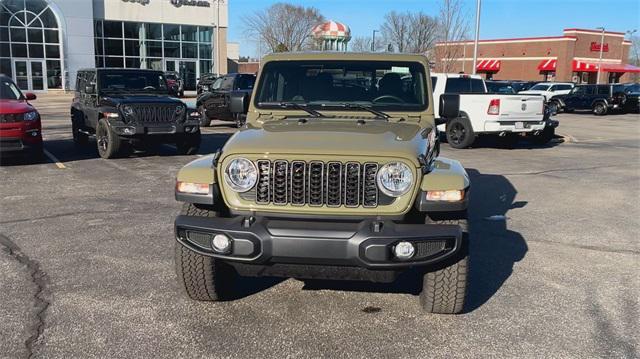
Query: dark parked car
{"points": [[175, 83], [499, 87], [20, 129], [601, 99], [632, 98], [205, 83], [130, 107], [215, 104]]}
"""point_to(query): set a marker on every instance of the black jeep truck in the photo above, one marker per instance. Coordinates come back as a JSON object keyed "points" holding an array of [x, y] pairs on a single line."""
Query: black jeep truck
{"points": [[600, 99], [216, 104], [127, 108]]}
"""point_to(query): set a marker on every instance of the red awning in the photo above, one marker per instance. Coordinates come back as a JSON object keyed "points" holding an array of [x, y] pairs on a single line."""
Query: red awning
{"points": [[581, 66], [547, 65], [488, 66], [620, 68]]}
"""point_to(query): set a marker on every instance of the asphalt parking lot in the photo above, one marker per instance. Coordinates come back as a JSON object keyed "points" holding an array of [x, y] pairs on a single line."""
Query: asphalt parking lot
{"points": [[87, 261]]}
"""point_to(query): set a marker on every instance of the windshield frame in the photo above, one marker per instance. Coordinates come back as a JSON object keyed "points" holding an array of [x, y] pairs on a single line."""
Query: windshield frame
{"points": [[338, 105], [127, 91]]}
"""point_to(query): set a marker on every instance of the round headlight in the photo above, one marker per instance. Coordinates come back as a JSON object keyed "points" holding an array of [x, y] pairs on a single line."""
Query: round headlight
{"points": [[241, 175], [395, 179]]}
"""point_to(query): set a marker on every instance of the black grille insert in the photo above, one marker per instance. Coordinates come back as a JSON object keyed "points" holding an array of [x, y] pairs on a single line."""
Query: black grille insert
{"points": [[154, 113], [315, 183]]}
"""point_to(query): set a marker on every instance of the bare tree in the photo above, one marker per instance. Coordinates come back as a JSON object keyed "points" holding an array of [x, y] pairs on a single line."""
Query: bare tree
{"points": [[410, 32], [634, 56], [454, 27], [395, 30], [363, 44], [282, 26], [423, 31]]}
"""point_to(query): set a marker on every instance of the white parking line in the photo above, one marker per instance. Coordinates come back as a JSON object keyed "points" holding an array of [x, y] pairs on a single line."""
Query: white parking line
{"points": [[54, 160]]}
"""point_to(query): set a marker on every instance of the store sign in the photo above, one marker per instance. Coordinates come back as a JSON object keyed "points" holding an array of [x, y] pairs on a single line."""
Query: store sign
{"points": [[141, 2], [198, 3], [595, 46]]}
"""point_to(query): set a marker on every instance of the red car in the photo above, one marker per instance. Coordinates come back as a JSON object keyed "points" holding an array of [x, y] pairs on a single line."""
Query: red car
{"points": [[20, 128]]}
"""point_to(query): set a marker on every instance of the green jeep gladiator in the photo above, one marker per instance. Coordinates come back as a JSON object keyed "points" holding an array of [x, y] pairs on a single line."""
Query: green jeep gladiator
{"points": [[336, 175]]}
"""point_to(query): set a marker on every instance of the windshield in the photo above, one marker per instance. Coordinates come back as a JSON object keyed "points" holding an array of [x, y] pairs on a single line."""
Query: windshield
{"points": [[464, 85], [540, 87], [9, 91], [131, 81], [171, 77], [380, 84]]}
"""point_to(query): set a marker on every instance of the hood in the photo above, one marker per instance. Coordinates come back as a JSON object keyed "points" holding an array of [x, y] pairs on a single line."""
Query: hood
{"points": [[115, 100], [331, 137], [14, 106]]}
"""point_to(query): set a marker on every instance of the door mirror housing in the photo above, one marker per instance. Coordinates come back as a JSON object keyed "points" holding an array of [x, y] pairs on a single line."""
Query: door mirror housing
{"points": [[90, 89], [238, 102], [449, 107], [30, 96]]}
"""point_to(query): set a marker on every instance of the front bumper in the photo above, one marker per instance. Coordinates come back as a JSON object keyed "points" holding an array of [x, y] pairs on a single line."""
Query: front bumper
{"points": [[171, 128], [367, 244], [10, 146], [513, 126]]}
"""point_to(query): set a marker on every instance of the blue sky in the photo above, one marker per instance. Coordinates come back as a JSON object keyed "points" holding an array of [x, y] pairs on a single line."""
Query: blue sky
{"points": [[499, 19]]}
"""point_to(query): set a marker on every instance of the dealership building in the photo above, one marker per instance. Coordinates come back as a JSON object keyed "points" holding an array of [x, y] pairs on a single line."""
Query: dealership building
{"points": [[572, 57], [43, 43]]}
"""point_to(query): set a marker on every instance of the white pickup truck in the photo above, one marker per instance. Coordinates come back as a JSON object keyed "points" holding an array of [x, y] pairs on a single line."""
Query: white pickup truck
{"points": [[486, 113]]}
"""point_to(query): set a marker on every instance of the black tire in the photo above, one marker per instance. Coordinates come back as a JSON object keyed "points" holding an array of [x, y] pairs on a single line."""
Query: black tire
{"points": [[189, 144], [600, 109], [79, 138], [545, 137], [202, 277], [444, 290], [109, 144], [554, 107], [460, 133]]}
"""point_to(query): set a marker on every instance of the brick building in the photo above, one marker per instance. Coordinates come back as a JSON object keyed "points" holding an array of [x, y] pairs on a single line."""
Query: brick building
{"points": [[574, 56]]}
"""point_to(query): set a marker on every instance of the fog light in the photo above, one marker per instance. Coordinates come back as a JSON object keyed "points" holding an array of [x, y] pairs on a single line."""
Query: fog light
{"points": [[128, 130], [404, 250], [448, 196], [221, 243], [34, 133]]}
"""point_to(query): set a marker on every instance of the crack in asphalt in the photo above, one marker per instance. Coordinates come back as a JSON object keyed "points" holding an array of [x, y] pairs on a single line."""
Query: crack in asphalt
{"points": [[559, 170], [57, 216], [41, 280]]}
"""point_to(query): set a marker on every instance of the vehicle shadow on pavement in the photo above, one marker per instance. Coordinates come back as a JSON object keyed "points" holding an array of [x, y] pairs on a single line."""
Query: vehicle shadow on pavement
{"points": [[494, 247], [490, 141]]}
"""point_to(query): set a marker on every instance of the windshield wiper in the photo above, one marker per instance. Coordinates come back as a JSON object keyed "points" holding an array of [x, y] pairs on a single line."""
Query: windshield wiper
{"points": [[359, 106], [298, 106]]}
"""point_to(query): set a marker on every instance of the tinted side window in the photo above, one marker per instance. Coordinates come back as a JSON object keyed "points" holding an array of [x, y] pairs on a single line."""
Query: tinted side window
{"points": [[245, 82], [227, 83], [464, 85], [563, 87], [603, 90], [434, 81]]}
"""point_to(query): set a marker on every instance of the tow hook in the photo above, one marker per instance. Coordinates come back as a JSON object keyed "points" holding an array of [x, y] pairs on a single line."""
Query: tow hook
{"points": [[502, 134]]}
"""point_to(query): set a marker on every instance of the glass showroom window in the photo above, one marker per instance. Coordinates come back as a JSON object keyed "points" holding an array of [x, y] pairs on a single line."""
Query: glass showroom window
{"points": [[30, 44], [168, 47]]}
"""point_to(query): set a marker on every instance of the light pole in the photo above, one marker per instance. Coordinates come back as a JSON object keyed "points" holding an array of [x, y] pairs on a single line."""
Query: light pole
{"points": [[601, 48], [475, 43], [216, 50], [373, 41]]}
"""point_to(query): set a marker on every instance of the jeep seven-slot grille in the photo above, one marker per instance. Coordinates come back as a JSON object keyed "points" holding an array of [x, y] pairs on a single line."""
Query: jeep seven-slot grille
{"points": [[315, 183], [154, 113]]}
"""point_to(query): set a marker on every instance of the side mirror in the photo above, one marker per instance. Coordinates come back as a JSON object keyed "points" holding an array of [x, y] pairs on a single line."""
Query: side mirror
{"points": [[90, 89], [238, 102], [30, 96], [449, 107]]}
